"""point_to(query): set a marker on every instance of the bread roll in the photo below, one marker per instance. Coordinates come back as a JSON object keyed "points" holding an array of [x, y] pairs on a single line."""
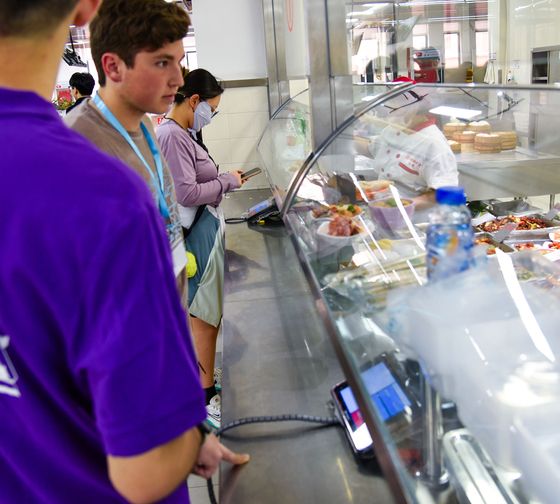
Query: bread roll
{"points": [[455, 146], [464, 136], [452, 127], [467, 147], [508, 138], [488, 142], [479, 126]]}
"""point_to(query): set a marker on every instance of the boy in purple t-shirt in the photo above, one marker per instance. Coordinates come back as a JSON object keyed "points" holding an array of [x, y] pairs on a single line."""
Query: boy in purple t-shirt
{"points": [[99, 392]]}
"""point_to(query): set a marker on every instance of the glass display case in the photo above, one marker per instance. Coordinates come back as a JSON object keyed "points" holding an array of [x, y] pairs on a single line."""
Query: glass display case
{"points": [[470, 393], [286, 142]]}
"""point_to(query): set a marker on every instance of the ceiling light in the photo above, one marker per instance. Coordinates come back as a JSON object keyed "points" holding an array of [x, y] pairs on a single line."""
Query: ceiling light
{"points": [[459, 113]]}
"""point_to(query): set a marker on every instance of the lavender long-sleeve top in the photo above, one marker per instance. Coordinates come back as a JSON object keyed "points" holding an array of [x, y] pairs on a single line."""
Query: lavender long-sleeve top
{"points": [[195, 175]]}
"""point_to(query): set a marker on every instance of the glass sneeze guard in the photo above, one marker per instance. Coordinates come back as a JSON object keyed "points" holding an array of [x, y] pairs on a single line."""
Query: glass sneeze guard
{"points": [[484, 340]]}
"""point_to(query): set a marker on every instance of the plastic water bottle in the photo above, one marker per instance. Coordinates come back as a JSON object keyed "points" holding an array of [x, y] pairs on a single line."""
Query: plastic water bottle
{"points": [[449, 244]]}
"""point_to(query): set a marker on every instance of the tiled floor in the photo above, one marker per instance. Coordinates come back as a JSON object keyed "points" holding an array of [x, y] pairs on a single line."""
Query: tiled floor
{"points": [[198, 490]]}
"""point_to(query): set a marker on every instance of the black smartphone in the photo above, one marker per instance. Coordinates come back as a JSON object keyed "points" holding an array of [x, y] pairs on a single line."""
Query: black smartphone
{"points": [[250, 173], [386, 388]]}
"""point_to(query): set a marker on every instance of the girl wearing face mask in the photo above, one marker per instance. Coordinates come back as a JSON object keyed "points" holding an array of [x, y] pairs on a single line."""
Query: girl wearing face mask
{"points": [[200, 188]]}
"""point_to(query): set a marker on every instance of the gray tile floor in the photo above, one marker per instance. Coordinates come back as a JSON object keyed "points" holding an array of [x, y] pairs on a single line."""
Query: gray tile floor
{"points": [[198, 490]]}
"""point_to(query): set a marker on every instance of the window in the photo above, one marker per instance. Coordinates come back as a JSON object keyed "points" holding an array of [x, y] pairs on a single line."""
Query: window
{"points": [[451, 45], [192, 60], [419, 41], [420, 36], [482, 42], [482, 48]]}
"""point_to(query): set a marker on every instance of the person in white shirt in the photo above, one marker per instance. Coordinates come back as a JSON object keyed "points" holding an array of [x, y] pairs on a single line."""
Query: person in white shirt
{"points": [[411, 150]]}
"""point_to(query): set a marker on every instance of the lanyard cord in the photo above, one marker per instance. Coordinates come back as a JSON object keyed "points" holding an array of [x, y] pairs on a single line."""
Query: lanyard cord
{"points": [[159, 182]]}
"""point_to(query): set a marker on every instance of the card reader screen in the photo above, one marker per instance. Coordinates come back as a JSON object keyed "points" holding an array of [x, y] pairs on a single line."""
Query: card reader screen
{"points": [[259, 207], [385, 392]]}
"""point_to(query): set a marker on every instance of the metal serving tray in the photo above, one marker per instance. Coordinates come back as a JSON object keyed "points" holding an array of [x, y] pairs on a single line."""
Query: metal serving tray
{"points": [[531, 234], [519, 208], [476, 479]]}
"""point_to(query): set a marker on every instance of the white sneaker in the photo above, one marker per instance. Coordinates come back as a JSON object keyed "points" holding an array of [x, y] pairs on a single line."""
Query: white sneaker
{"points": [[214, 412], [218, 378]]}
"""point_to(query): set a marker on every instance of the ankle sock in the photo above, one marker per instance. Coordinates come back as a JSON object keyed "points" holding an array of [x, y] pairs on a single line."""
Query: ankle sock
{"points": [[210, 392]]}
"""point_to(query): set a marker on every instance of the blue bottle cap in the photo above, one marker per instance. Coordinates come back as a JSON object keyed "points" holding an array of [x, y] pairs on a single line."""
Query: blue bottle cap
{"points": [[451, 195]]}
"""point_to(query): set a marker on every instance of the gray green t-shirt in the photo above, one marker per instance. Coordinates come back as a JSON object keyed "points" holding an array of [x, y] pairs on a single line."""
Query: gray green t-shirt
{"points": [[88, 121]]}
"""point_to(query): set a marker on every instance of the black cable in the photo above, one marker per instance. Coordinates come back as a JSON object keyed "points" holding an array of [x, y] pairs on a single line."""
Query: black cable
{"points": [[279, 418], [326, 421], [211, 494]]}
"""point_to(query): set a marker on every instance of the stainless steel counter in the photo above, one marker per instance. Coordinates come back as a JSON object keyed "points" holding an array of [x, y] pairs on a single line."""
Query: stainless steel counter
{"points": [[277, 359], [517, 172]]}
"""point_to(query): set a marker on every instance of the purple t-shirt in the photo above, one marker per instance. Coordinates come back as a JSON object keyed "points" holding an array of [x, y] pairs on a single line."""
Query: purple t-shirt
{"points": [[95, 354]]}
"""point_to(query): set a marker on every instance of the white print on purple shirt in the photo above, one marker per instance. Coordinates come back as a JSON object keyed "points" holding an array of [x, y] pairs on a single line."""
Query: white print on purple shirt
{"points": [[8, 374]]}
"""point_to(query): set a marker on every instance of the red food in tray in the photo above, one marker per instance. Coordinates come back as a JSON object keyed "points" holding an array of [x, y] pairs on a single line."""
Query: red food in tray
{"points": [[526, 246], [526, 223]]}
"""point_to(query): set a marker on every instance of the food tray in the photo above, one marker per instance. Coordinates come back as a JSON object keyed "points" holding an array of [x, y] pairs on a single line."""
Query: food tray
{"points": [[530, 233], [476, 479], [540, 245], [368, 286], [504, 247], [519, 208], [538, 242]]}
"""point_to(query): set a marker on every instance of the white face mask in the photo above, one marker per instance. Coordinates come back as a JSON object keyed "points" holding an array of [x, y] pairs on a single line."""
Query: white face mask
{"points": [[202, 116]]}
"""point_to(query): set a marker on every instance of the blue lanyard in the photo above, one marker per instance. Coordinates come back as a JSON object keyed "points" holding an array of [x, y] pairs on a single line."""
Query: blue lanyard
{"points": [[163, 208]]}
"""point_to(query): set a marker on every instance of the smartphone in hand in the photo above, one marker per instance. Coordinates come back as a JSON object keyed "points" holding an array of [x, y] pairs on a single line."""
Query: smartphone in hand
{"points": [[250, 173]]}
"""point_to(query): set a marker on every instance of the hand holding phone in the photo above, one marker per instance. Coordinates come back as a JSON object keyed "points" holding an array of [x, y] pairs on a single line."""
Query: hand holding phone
{"points": [[250, 173]]}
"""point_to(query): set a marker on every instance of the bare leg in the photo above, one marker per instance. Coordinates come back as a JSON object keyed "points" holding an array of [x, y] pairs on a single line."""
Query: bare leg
{"points": [[205, 337]]}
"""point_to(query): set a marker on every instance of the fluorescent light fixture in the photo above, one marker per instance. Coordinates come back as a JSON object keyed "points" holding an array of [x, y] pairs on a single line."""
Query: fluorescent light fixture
{"points": [[459, 113]]}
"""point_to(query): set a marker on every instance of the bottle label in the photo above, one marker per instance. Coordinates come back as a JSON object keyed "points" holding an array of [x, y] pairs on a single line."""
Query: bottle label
{"points": [[449, 250]]}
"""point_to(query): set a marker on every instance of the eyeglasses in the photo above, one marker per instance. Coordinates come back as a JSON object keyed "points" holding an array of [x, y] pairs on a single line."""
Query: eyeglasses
{"points": [[214, 111]]}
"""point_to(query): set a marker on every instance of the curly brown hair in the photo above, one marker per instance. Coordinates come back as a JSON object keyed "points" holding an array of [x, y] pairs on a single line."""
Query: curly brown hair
{"points": [[32, 17], [126, 27]]}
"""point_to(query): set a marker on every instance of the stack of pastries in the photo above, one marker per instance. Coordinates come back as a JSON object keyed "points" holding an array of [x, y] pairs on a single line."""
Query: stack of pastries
{"points": [[477, 136]]}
